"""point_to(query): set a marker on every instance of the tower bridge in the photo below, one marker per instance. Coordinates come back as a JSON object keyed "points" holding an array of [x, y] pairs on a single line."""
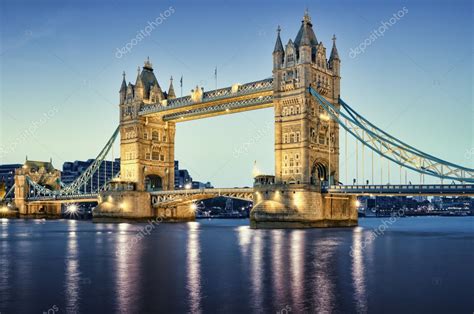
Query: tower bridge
{"points": [[305, 190]]}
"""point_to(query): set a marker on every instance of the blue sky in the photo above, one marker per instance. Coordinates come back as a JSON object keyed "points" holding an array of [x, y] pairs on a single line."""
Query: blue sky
{"points": [[59, 74]]}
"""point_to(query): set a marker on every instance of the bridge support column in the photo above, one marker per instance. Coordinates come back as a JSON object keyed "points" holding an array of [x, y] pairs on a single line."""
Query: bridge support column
{"points": [[283, 206], [177, 213], [123, 204]]}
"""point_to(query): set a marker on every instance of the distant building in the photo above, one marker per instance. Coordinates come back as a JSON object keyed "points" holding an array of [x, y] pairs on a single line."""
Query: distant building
{"points": [[7, 175], [182, 179], [201, 185], [107, 170]]}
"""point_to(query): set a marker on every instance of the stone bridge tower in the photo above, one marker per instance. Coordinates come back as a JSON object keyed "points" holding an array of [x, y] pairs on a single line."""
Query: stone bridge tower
{"points": [[42, 173], [306, 139], [146, 144]]}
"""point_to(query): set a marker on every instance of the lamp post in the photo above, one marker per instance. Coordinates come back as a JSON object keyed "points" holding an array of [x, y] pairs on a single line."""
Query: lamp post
{"points": [[327, 118]]}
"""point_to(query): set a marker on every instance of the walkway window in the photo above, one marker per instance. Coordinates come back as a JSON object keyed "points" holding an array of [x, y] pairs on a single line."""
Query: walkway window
{"points": [[155, 136]]}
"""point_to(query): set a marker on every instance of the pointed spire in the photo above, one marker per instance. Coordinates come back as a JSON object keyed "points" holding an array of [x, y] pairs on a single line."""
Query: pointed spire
{"points": [[171, 93], [306, 34], [334, 54], [138, 82], [306, 17], [278, 44], [148, 64], [123, 87]]}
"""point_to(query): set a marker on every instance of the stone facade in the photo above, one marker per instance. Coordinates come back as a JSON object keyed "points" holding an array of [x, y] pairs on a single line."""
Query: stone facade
{"points": [[146, 143], [306, 140], [44, 174]]}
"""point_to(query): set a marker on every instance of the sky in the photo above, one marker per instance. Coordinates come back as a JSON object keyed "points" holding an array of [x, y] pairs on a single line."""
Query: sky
{"points": [[60, 73]]}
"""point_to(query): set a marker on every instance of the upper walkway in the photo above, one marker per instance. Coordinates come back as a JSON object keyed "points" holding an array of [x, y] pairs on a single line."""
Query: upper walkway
{"points": [[200, 104]]}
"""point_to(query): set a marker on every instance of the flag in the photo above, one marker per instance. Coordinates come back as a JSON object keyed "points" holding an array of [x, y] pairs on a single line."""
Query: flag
{"points": [[215, 73], [181, 81]]}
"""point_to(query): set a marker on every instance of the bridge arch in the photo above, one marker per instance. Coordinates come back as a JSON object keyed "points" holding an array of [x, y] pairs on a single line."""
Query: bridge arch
{"points": [[319, 173], [153, 182]]}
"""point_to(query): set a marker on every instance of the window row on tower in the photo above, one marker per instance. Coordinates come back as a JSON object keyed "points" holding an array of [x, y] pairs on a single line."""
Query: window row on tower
{"points": [[291, 137]]}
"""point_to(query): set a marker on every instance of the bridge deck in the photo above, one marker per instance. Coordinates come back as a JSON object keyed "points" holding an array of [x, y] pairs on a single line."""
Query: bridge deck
{"points": [[415, 189], [249, 96], [247, 192]]}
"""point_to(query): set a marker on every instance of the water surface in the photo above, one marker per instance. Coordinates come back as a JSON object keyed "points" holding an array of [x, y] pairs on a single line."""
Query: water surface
{"points": [[409, 265]]}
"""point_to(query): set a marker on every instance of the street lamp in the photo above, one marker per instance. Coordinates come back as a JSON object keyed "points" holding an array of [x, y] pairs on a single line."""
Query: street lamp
{"points": [[327, 118]]}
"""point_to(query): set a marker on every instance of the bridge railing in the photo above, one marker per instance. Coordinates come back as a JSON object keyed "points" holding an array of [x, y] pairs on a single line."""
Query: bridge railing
{"points": [[213, 95], [413, 188], [203, 191]]}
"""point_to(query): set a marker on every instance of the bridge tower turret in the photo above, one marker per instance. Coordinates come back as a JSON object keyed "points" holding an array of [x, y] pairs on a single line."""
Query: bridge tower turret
{"points": [[146, 144]]}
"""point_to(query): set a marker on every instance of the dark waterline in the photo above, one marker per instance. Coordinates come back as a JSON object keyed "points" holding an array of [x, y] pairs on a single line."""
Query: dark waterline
{"points": [[412, 265]]}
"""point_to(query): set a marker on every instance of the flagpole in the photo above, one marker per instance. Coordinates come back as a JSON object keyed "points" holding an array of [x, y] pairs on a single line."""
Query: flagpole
{"points": [[215, 76]]}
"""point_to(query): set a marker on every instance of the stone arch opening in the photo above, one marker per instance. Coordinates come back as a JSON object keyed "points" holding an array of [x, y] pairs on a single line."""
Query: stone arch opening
{"points": [[153, 182], [319, 174]]}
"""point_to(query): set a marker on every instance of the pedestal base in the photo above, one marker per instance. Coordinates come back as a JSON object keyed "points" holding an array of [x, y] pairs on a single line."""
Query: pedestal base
{"points": [[301, 206], [117, 205]]}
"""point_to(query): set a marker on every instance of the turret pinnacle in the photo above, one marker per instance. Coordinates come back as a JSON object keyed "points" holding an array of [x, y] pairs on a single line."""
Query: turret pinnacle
{"points": [[171, 93], [306, 34], [123, 87], [278, 44], [138, 82], [334, 54]]}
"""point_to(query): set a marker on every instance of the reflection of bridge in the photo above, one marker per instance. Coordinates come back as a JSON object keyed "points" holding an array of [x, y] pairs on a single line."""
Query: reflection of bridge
{"points": [[305, 94]]}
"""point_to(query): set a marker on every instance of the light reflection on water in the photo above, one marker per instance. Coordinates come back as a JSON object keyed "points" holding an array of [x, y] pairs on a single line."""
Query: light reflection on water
{"points": [[257, 269], [323, 285], [193, 264], [173, 268], [4, 265], [297, 240], [72, 272], [358, 269], [127, 258], [279, 284]]}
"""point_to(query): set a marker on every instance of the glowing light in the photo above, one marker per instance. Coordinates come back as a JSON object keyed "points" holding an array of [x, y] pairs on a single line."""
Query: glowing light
{"points": [[255, 171], [72, 210], [324, 117], [110, 199], [187, 186], [357, 203], [193, 207], [3, 209]]}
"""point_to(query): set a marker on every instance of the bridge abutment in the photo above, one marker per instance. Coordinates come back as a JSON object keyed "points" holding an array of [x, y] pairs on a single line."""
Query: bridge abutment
{"points": [[301, 206]]}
